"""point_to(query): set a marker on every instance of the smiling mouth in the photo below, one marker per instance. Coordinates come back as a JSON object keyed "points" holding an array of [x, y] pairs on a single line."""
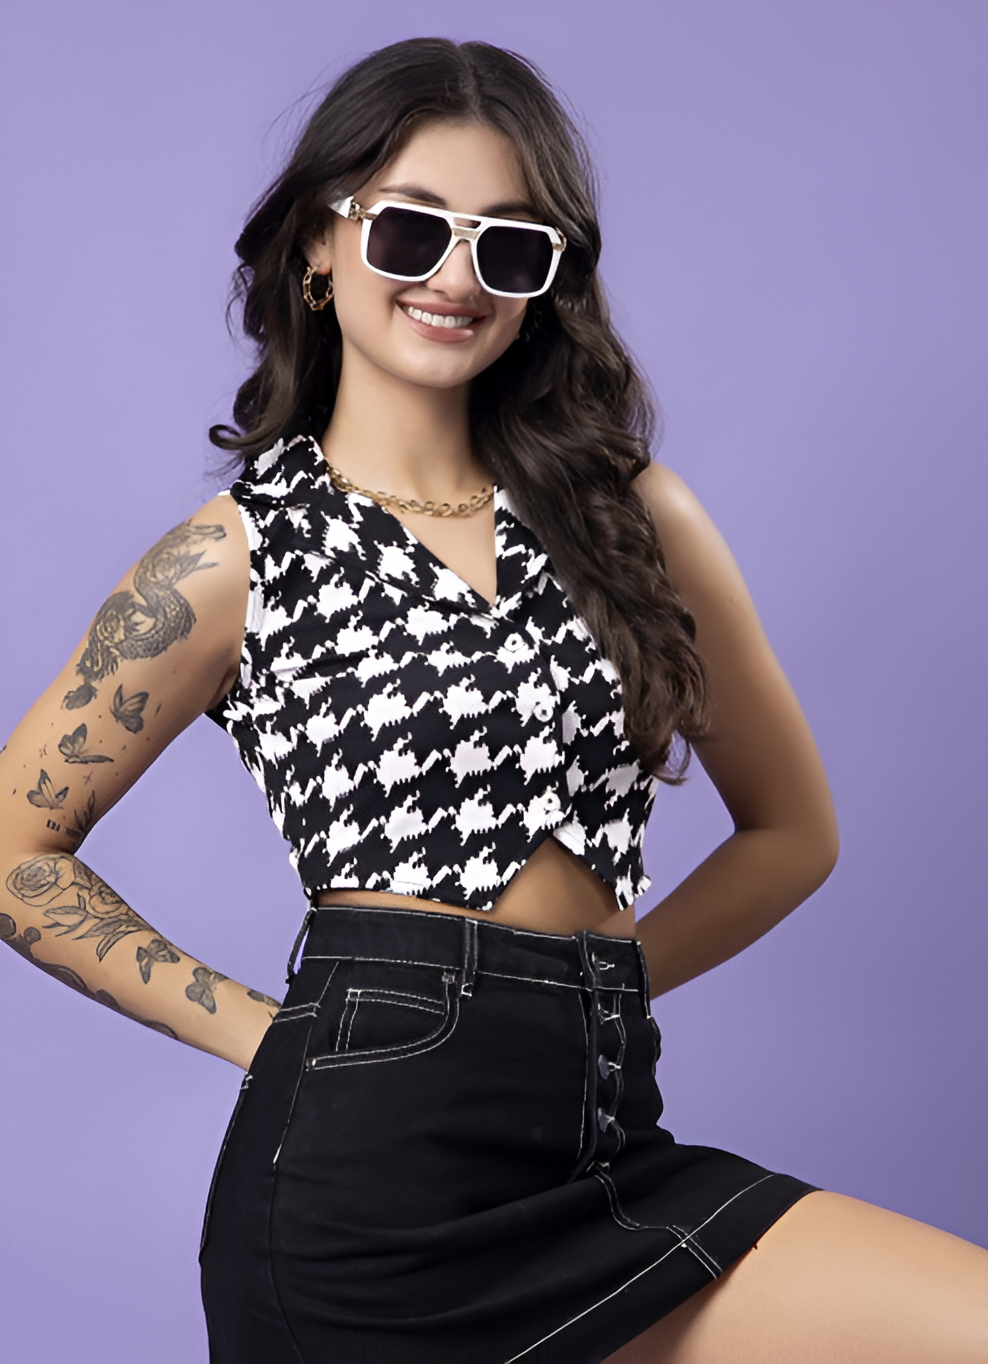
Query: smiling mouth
{"points": [[447, 321]]}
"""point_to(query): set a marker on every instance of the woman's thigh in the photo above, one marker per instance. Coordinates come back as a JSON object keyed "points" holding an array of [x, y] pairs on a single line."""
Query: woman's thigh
{"points": [[834, 1280]]}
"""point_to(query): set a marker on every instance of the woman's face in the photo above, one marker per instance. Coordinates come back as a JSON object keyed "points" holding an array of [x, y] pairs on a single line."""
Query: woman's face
{"points": [[465, 167]]}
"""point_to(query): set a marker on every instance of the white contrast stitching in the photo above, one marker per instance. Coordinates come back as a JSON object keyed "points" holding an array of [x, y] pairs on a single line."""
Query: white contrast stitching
{"points": [[374, 1055], [704, 1256], [635, 1277], [296, 1011], [481, 971]]}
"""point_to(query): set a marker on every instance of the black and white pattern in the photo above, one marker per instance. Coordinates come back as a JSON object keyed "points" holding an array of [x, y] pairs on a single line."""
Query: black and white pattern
{"points": [[409, 736]]}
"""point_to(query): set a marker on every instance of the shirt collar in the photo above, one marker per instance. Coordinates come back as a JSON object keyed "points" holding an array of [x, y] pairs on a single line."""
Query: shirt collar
{"points": [[295, 476]]}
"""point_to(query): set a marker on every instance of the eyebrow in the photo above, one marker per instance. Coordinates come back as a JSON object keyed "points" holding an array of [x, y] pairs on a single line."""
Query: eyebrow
{"points": [[425, 196]]}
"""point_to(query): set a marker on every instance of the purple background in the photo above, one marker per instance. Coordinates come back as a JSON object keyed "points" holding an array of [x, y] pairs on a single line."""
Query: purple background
{"points": [[795, 211]]}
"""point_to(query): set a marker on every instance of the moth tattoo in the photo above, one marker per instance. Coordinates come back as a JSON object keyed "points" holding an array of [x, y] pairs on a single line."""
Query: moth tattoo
{"points": [[201, 989], [144, 622], [44, 796], [156, 950], [73, 748], [129, 710], [74, 900]]}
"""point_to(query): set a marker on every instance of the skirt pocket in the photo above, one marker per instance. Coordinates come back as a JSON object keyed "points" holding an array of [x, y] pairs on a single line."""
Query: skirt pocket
{"points": [[374, 1018], [383, 1012]]}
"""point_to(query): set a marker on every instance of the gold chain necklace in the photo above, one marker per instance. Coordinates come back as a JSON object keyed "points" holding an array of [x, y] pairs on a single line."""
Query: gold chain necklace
{"points": [[408, 504]]}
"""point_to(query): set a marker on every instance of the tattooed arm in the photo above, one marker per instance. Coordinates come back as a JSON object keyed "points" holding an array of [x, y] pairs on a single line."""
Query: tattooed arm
{"points": [[164, 647]]}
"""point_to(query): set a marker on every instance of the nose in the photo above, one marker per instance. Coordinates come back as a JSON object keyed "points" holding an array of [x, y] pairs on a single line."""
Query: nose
{"points": [[456, 278]]}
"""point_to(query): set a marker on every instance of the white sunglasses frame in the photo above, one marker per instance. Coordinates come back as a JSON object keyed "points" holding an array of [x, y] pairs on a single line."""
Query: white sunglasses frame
{"points": [[349, 208]]}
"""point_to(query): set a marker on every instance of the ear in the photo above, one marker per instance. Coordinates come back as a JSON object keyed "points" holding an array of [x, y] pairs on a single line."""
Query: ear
{"points": [[319, 252]]}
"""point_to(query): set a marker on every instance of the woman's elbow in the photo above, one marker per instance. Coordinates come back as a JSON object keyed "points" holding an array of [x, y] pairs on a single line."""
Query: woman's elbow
{"points": [[819, 852]]}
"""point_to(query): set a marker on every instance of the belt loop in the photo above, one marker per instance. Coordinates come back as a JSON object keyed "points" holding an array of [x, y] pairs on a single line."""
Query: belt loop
{"points": [[310, 914], [469, 971]]}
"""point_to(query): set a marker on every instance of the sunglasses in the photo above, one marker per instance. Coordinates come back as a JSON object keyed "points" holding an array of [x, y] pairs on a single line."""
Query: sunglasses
{"points": [[404, 241]]}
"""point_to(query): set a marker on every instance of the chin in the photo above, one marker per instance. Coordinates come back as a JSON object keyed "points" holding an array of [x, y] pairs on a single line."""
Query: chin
{"points": [[433, 375]]}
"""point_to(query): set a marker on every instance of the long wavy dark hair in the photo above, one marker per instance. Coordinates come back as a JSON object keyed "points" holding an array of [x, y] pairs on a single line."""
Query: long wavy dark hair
{"points": [[562, 419]]}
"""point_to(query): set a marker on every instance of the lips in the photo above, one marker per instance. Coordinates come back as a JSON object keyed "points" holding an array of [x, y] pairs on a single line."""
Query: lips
{"points": [[446, 321]]}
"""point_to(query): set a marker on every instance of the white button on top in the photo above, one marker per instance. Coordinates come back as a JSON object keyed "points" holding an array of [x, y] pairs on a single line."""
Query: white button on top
{"points": [[543, 711], [515, 643], [552, 801]]}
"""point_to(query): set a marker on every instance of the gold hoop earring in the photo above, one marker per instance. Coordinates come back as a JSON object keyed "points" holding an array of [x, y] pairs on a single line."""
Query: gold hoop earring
{"points": [[316, 304]]}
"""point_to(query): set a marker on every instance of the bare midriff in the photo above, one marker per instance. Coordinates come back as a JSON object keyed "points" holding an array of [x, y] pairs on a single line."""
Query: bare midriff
{"points": [[555, 892]]}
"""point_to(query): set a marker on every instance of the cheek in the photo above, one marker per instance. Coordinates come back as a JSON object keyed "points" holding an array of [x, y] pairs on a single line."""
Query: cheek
{"points": [[364, 302], [509, 314], [363, 299], [508, 319], [503, 327]]}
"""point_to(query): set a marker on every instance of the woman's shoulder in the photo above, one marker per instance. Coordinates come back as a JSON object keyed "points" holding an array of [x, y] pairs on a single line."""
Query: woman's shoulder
{"points": [[677, 513], [218, 524], [220, 510], [671, 503], [198, 572], [695, 553]]}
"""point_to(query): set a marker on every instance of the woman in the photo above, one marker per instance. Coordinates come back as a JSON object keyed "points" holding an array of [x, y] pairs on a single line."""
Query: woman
{"points": [[458, 701]]}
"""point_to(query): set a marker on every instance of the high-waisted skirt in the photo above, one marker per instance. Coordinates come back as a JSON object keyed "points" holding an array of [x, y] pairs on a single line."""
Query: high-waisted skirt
{"points": [[448, 1149]]}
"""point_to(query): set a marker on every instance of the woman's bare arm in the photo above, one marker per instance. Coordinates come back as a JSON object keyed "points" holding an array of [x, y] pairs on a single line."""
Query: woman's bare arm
{"points": [[163, 648], [758, 752]]}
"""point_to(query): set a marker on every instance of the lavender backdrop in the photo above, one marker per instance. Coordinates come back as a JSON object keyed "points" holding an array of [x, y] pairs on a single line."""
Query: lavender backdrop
{"points": [[795, 210]]}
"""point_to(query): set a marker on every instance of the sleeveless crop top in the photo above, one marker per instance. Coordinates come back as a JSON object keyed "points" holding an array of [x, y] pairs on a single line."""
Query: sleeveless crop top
{"points": [[408, 735]]}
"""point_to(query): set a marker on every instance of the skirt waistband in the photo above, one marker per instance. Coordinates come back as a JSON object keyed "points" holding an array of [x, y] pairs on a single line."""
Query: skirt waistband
{"points": [[471, 947]]}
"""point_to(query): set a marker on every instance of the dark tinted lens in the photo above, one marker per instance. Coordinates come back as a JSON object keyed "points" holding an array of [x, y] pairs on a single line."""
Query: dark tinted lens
{"points": [[514, 260], [403, 241]]}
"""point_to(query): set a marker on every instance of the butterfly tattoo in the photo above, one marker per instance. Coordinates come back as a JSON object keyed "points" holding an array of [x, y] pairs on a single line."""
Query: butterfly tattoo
{"points": [[44, 796], [201, 989], [129, 710], [73, 748], [156, 950], [272, 1004], [263, 999], [23, 944]]}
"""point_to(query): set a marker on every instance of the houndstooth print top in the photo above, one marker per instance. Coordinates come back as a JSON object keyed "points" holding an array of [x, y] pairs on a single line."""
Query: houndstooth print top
{"points": [[409, 736]]}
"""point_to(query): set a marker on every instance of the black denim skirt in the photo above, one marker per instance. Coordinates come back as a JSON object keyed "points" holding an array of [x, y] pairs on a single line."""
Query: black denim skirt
{"points": [[448, 1150]]}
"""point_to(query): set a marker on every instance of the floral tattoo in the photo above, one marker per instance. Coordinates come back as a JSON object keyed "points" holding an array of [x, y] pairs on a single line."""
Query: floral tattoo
{"points": [[74, 900]]}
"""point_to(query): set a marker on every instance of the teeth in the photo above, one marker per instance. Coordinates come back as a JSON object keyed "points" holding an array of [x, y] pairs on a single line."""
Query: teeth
{"points": [[446, 320]]}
